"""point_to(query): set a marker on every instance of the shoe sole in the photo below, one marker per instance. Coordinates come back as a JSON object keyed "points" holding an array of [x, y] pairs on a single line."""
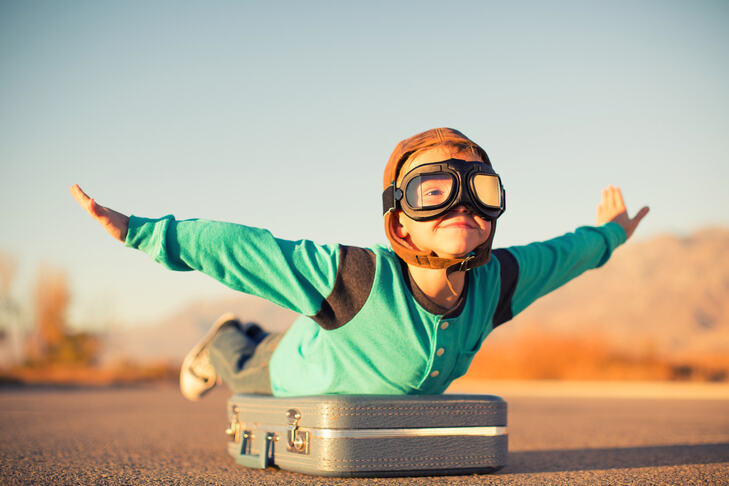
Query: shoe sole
{"points": [[197, 349]]}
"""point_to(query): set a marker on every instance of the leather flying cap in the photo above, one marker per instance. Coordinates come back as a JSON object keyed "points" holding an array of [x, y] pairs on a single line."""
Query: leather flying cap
{"points": [[403, 152]]}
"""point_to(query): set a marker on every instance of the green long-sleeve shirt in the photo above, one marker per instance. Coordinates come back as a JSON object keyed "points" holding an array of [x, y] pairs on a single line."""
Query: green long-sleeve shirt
{"points": [[365, 327]]}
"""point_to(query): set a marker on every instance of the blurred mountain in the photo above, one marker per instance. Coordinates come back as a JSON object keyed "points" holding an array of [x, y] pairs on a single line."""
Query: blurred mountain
{"points": [[171, 338], [668, 295]]}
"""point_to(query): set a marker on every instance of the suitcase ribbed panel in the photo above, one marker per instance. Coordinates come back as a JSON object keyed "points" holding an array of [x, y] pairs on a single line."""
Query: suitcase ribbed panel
{"points": [[378, 411], [445, 454]]}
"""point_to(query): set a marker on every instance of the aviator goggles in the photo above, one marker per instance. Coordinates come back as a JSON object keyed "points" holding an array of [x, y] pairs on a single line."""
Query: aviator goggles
{"points": [[431, 190]]}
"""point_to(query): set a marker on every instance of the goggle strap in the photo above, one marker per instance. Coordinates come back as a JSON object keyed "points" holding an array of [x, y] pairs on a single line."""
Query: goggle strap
{"points": [[390, 196], [451, 264]]}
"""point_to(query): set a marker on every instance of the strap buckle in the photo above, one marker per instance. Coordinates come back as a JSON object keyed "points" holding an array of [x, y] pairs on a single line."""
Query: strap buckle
{"points": [[466, 263]]}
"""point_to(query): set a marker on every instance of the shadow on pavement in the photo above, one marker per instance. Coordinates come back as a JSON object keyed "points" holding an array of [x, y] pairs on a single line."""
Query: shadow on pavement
{"points": [[614, 458]]}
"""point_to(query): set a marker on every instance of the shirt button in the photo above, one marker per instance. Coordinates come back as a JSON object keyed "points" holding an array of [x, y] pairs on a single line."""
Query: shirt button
{"points": [[440, 351], [444, 325], [434, 374]]}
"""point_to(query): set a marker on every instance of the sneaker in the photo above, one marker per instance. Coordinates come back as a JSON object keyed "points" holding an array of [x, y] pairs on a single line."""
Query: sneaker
{"points": [[197, 375]]}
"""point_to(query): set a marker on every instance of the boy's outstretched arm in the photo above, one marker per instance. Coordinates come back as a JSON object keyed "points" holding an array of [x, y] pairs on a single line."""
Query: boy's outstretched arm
{"points": [[541, 267], [117, 224], [612, 208]]}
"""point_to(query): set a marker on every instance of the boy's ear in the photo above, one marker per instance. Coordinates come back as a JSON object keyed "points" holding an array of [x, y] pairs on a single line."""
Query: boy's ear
{"points": [[398, 226]]}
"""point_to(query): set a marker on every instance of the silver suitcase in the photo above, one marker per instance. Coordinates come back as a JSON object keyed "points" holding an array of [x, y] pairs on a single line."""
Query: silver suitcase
{"points": [[369, 435]]}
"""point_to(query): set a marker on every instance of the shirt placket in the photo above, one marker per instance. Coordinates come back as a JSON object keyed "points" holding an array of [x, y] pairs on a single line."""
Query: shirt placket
{"points": [[444, 353]]}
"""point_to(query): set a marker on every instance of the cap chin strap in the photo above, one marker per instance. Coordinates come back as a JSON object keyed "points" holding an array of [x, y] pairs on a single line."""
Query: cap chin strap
{"points": [[479, 256]]}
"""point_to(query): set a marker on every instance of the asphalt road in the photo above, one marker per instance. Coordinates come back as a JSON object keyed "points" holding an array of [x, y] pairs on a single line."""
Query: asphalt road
{"points": [[153, 436]]}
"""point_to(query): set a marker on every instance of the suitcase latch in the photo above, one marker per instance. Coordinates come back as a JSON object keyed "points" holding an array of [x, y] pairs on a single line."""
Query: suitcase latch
{"points": [[298, 440], [234, 428]]}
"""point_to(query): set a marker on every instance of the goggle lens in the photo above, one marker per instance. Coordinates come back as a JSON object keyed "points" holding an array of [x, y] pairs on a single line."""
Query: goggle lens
{"points": [[429, 190], [487, 189]]}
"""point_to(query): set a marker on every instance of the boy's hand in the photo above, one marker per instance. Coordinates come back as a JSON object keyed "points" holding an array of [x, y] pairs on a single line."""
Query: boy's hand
{"points": [[612, 208], [117, 224]]}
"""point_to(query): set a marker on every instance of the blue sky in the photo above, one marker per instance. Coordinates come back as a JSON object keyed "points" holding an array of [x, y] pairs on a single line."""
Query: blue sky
{"points": [[282, 115]]}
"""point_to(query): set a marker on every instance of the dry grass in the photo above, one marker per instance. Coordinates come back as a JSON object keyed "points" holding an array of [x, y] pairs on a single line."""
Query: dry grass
{"points": [[539, 355], [121, 373]]}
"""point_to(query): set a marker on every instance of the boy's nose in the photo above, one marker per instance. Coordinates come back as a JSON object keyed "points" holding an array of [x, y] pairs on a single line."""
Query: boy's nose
{"points": [[461, 208]]}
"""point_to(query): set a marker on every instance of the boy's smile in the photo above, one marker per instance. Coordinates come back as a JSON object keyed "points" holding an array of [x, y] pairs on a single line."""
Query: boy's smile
{"points": [[457, 221]]}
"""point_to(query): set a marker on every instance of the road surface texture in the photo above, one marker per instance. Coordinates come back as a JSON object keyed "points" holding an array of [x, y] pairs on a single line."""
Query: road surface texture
{"points": [[151, 435]]}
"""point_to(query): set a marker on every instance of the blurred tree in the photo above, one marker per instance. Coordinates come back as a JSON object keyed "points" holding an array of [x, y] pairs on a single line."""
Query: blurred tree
{"points": [[51, 302], [51, 343], [8, 267], [10, 333]]}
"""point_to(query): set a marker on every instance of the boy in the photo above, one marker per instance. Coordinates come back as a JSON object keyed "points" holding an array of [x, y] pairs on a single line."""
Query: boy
{"points": [[406, 320]]}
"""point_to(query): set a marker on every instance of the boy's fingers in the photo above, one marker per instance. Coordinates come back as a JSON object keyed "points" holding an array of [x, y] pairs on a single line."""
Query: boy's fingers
{"points": [[606, 195], [84, 200], [614, 199], [79, 195], [115, 223], [610, 196], [93, 208], [618, 195]]}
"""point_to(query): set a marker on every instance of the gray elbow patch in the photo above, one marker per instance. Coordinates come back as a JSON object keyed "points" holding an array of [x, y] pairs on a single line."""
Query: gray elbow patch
{"points": [[352, 286], [509, 276]]}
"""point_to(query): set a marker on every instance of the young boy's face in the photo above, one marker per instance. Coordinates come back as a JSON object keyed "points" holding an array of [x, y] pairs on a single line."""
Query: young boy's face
{"points": [[452, 235]]}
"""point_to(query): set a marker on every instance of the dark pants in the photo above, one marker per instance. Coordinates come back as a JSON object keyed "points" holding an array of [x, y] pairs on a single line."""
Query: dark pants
{"points": [[240, 356]]}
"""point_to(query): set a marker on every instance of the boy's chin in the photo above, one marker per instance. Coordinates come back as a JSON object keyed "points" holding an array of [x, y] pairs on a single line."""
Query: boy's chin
{"points": [[460, 250], [454, 253]]}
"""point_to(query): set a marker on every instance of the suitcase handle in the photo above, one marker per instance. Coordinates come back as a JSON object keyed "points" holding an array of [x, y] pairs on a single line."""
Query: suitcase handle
{"points": [[261, 442]]}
